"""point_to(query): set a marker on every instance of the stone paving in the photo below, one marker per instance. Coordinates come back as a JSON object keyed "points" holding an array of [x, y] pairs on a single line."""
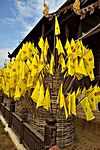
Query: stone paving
{"points": [[5, 141]]}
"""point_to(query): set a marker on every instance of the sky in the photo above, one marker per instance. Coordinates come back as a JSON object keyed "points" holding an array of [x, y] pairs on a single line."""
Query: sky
{"points": [[17, 18]]}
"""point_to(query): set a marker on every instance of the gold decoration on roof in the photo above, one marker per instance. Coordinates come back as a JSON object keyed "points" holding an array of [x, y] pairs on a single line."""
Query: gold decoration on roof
{"points": [[76, 7], [82, 12], [46, 10]]}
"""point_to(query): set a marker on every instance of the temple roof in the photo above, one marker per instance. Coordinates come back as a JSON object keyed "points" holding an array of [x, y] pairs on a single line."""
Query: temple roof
{"points": [[90, 18]]}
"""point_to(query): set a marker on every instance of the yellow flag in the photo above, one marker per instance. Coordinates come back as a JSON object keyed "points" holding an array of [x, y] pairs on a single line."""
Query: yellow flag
{"points": [[29, 64], [96, 94], [87, 109], [62, 62], [73, 48], [89, 89], [73, 104], [78, 92], [90, 72], [7, 90], [29, 81], [57, 28], [59, 46], [68, 48], [79, 49], [40, 101], [30, 50], [41, 63], [35, 65], [70, 66], [47, 100], [61, 100], [76, 66], [82, 69], [51, 64], [46, 46], [72, 44], [25, 70], [12, 93], [61, 96], [12, 82], [91, 100], [17, 93], [41, 43], [24, 51], [84, 91], [89, 58], [68, 99], [22, 86], [35, 93]]}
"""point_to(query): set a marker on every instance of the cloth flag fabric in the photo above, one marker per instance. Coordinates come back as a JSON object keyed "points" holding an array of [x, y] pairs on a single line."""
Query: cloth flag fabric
{"points": [[57, 28]]}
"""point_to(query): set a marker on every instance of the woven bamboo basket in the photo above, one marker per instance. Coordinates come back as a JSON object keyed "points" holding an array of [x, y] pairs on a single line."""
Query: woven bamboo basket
{"points": [[65, 127], [37, 119]]}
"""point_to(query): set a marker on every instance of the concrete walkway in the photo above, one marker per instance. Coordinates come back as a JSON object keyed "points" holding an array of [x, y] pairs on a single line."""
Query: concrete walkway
{"points": [[15, 145]]}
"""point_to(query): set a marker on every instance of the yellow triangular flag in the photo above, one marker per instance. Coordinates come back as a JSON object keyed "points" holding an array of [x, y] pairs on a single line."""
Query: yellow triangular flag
{"points": [[59, 46], [35, 94], [87, 109], [51, 64], [40, 101], [47, 99], [84, 91], [29, 81], [17, 93], [68, 48], [91, 100], [70, 66], [62, 62], [41, 63], [89, 58], [46, 46], [61, 96], [35, 62], [73, 104], [22, 86], [82, 69], [25, 70], [78, 92], [41, 43], [57, 28]]}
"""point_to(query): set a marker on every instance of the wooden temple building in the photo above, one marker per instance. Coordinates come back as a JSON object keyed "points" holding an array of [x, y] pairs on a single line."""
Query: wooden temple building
{"points": [[85, 26]]}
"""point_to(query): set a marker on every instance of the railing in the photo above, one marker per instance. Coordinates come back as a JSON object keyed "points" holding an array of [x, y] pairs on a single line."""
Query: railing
{"points": [[31, 139]]}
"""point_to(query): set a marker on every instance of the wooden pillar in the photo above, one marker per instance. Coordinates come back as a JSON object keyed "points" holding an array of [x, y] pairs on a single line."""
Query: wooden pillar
{"points": [[42, 30], [22, 132], [50, 132], [12, 109], [79, 33], [24, 117], [12, 106], [67, 31]]}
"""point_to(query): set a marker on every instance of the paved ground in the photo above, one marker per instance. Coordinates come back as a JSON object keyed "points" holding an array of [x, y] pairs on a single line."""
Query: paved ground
{"points": [[5, 141], [84, 140]]}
